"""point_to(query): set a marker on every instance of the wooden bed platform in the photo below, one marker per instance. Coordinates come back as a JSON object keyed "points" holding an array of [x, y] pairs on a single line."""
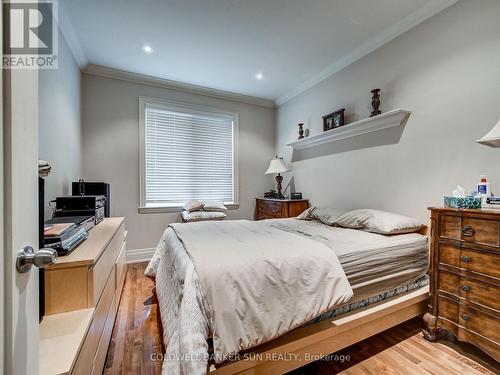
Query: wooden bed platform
{"points": [[308, 344]]}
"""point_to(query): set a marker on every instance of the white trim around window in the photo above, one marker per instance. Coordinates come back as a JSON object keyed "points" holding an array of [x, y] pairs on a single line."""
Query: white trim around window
{"points": [[144, 103]]}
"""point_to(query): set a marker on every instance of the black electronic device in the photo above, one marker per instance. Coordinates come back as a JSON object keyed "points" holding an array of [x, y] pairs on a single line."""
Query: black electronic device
{"points": [[296, 195], [81, 205], [271, 194], [82, 187]]}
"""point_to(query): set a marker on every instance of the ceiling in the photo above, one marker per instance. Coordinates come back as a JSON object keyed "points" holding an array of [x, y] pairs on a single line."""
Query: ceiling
{"points": [[223, 44]]}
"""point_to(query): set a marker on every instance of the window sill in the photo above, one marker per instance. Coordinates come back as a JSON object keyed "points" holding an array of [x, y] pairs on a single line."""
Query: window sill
{"points": [[172, 209]]}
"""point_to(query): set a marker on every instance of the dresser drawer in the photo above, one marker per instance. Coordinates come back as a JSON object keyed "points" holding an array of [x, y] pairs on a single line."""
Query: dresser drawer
{"points": [[480, 231], [479, 322], [486, 294], [270, 208], [480, 261], [449, 254], [448, 309], [480, 292], [450, 227]]}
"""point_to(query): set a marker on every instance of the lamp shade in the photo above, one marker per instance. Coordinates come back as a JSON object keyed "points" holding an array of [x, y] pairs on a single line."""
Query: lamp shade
{"points": [[492, 138], [277, 165]]}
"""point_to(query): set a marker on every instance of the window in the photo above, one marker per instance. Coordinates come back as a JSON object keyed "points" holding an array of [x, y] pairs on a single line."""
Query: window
{"points": [[187, 152]]}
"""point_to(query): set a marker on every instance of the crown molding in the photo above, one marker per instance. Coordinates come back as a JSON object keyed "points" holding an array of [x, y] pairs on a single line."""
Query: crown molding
{"points": [[71, 36], [407, 23], [122, 75]]}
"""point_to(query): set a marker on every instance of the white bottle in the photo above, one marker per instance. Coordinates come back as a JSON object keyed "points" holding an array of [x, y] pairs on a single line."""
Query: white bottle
{"points": [[483, 187]]}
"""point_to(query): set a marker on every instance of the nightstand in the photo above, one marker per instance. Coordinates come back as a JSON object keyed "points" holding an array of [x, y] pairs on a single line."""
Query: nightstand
{"points": [[268, 208]]}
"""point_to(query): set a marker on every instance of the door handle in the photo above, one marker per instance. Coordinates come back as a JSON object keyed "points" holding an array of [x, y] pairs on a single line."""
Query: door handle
{"points": [[27, 257]]}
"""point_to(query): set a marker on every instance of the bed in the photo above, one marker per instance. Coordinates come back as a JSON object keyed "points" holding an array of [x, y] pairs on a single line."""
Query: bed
{"points": [[377, 281]]}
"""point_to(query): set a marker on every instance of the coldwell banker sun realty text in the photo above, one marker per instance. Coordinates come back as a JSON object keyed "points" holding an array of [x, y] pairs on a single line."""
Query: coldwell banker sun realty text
{"points": [[30, 40]]}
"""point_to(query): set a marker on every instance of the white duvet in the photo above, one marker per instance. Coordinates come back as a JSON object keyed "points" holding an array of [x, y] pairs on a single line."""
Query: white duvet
{"points": [[241, 282]]}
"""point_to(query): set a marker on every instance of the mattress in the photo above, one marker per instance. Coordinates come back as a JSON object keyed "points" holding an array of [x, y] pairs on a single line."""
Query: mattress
{"points": [[373, 263]]}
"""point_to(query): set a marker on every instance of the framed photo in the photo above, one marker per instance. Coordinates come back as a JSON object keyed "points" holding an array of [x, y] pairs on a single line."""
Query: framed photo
{"points": [[333, 120]]}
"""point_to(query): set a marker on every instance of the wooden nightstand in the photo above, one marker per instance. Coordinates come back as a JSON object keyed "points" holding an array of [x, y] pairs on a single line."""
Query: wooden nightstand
{"points": [[268, 208], [465, 277]]}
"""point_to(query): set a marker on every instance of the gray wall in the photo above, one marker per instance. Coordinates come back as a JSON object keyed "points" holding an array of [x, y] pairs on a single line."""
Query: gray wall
{"points": [[110, 111], [59, 126], [447, 72]]}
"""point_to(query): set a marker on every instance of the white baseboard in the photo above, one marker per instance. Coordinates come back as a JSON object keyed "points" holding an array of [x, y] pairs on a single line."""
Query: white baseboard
{"points": [[140, 255]]}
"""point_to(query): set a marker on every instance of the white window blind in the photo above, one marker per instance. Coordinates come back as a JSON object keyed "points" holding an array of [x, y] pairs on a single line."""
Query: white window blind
{"points": [[188, 155]]}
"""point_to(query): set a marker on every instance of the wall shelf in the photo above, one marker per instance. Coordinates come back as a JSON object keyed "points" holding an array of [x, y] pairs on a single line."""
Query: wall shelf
{"points": [[396, 117]]}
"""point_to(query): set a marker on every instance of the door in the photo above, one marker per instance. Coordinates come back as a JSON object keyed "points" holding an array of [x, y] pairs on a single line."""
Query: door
{"points": [[19, 220]]}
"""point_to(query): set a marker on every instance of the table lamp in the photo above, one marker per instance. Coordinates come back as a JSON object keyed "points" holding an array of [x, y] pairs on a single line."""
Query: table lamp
{"points": [[277, 165]]}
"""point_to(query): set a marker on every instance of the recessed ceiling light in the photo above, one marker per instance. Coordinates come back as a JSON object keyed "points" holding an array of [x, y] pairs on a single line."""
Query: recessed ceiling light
{"points": [[147, 49], [259, 76]]}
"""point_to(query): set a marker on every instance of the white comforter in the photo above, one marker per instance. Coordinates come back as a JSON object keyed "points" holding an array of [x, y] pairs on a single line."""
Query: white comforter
{"points": [[242, 282]]}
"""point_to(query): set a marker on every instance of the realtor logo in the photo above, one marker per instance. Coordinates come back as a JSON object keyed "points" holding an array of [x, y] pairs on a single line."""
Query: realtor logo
{"points": [[30, 36]]}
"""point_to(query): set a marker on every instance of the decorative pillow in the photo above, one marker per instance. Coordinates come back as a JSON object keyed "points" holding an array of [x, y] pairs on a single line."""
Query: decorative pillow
{"points": [[193, 205], [214, 206], [376, 221], [202, 216]]}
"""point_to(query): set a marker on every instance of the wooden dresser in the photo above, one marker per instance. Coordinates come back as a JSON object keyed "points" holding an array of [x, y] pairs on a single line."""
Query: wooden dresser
{"points": [[82, 294], [267, 208], [465, 277]]}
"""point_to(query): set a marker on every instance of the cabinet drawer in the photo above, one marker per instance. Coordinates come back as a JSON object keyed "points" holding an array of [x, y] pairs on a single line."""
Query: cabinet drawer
{"points": [[270, 208], [480, 261], [87, 353], [483, 293], [450, 227], [265, 215], [449, 254], [102, 269], [102, 349], [449, 283], [448, 309], [480, 231], [121, 266], [480, 292], [484, 324]]}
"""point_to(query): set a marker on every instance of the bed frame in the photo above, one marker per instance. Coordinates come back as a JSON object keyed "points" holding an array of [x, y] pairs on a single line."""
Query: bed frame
{"points": [[307, 344]]}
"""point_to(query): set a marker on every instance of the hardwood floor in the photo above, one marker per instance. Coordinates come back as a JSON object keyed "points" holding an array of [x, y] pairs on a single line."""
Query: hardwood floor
{"points": [[400, 350], [136, 332]]}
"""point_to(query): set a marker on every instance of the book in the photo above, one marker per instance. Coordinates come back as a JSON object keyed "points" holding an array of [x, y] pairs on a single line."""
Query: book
{"points": [[58, 229]]}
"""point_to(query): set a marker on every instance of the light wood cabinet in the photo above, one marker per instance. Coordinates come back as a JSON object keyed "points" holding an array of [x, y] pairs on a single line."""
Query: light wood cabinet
{"points": [[82, 293]]}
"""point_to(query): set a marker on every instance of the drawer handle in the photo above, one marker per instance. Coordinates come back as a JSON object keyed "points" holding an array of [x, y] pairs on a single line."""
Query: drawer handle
{"points": [[466, 259], [468, 231], [275, 210], [465, 317], [465, 288]]}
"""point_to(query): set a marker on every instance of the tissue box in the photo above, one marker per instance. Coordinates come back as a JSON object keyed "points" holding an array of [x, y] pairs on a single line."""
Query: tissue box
{"points": [[462, 202]]}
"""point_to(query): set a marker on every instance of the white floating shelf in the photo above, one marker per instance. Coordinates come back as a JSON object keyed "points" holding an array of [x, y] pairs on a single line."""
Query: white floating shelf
{"points": [[396, 117]]}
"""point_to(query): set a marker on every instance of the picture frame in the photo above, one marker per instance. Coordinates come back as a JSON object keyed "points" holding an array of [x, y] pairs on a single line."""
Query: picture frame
{"points": [[333, 120]]}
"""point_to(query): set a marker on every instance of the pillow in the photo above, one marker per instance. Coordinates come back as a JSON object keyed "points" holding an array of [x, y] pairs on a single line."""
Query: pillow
{"points": [[326, 215], [202, 216], [214, 206], [193, 205], [376, 221]]}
